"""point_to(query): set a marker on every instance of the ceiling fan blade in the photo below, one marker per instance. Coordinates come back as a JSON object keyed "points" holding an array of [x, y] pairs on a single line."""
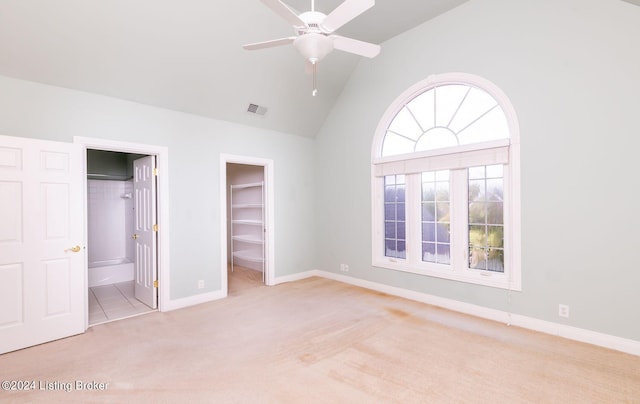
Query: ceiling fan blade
{"points": [[269, 44], [350, 45], [285, 12], [346, 12]]}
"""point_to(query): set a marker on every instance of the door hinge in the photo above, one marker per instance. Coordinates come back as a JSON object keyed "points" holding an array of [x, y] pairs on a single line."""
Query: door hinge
{"points": [[155, 171], [155, 284], [155, 227]]}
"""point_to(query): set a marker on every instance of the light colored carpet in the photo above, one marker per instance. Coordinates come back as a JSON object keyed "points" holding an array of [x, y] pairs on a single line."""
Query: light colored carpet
{"points": [[320, 341]]}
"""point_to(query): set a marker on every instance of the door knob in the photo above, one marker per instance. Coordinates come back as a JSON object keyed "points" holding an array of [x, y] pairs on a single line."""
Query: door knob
{"points": [[135, 237], [73, 249]]}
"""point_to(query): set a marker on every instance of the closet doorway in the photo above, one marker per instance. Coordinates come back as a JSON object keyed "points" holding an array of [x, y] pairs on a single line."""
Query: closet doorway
{"points": [[247, 240], [122, 235]]}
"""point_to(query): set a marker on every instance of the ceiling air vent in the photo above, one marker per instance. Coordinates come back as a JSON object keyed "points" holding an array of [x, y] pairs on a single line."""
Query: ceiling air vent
{"points": [[256, 109]]}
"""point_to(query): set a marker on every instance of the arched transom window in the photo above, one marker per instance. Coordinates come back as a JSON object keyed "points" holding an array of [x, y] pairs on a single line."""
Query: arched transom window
{"points": [[446, 183], [445, 116]]}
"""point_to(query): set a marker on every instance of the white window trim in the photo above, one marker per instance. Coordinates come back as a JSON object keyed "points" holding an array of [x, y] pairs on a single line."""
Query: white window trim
{"points": [[412, 164]]}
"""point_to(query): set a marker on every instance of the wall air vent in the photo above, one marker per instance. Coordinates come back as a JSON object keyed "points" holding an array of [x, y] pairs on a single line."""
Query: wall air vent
{"points": [[256, 109]]}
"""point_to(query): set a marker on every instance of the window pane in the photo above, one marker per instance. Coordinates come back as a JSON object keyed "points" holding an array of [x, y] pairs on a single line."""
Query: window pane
{"points": [[429, 212], [436, 138], [491, 126], [401, 233], [423, 109], [402, 250], [404, 124], [477, 258], [495, 236], [495, 213], [495, 261], [390, 211], [476, 190], [476, 104], [477, 213], [435, 216], [394, 216], [443, 253], [494, 190], [429, 232], [428, 191], [476, 172], [400, 193], [442, 175], [428, 252], [389, 230], [395, 144], [390, 248], [448, 100], [428, 176], [390, 194], [477, 236], [486, 219], [442, 211], [400, 212], [442, 191], [495, 171], [442, 231]]}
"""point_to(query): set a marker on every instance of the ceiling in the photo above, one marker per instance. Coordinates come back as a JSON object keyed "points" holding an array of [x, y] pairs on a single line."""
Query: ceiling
{"points": [[186, 55]]}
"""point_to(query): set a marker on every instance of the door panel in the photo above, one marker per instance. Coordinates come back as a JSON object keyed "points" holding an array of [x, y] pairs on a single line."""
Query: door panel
{"points": [[144, 191], [42, 280], [11, 295]]}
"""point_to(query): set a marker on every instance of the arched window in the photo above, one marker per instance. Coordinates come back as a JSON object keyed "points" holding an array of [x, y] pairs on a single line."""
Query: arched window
{"points": [[446, 183]]}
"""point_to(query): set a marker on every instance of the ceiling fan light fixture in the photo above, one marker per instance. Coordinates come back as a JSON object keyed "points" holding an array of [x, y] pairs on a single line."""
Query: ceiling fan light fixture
{"points": [[313, 46]]}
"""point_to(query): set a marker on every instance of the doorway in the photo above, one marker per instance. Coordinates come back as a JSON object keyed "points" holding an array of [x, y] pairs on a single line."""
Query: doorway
{"points": [[157, 284], [246, 189], [122, 244]]}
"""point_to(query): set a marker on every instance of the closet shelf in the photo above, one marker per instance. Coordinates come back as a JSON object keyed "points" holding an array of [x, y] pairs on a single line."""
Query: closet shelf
{"points": [[247, 221], [248, 238], [247, 206], [248, 256], [250, 185], [247, 225]]}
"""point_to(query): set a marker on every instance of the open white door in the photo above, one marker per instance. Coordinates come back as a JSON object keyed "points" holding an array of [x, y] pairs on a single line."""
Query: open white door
{"points": [[42, 273], [144, 189]]}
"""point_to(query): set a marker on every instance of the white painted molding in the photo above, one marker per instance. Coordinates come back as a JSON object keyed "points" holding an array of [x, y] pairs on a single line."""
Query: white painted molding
{"points": [[573, 333], [296, 277], [194, 300], [162, 152]]}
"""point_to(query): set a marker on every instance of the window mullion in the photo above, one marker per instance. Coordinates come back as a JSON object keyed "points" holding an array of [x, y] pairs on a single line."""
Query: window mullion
{"points": [[414, 236], [459, 220]]}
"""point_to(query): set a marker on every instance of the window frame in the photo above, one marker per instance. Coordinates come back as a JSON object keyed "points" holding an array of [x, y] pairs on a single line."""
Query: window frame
{"points": [[474, 155]]}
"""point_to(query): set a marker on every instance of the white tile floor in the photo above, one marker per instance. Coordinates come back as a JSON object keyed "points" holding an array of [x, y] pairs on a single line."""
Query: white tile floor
{"points": [[112, 302]]}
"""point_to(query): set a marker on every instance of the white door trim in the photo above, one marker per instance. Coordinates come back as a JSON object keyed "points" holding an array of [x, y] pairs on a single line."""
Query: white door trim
{"points": [[269, 214], [162, 162]]}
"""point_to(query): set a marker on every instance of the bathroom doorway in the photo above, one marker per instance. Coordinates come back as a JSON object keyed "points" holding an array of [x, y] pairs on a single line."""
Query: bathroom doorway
{"points": [[122, 235]]}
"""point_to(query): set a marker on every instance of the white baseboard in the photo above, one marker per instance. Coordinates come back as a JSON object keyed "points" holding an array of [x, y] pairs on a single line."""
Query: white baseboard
{"points": [[295, 277], [577, 334], [175, 304]]}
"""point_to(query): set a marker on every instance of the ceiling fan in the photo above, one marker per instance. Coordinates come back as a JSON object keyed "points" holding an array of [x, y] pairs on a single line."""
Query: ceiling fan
{"points": [[314, 30]]}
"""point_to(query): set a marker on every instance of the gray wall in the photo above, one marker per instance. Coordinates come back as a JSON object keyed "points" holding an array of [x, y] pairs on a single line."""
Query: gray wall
{"points": [[38, 111], [570, 68]]}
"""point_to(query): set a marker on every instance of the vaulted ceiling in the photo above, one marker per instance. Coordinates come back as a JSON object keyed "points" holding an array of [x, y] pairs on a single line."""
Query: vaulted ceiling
{"points": [[186, 55]]}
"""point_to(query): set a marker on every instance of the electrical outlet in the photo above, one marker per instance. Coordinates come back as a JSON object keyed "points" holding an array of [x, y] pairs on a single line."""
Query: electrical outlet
{"points": [[344, 267], [563, 310], [201, 284]]}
